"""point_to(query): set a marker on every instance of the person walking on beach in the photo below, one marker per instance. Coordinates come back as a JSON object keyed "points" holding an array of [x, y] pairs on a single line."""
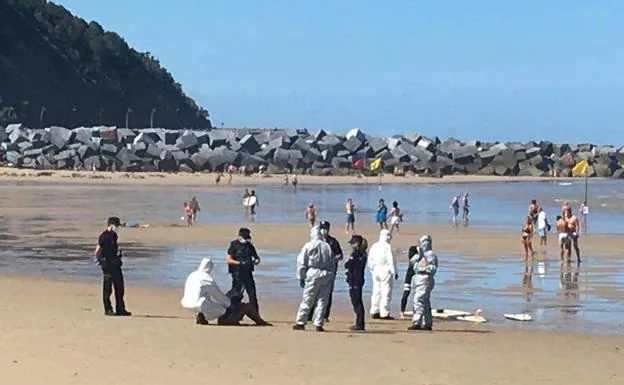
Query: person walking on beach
{"points": [[533, 210], [217, 178], [188, 214], [395, 217], [543, 227], [254, 205], [108, 256], [574, 230], [382, 215], [407, 283], [527, 238], [241, 259], [425, 266], [350, 208], [315, 270], [465, 208], [564, 238], [310, 214], [194, 206], [355, 266], [294, 182], [382, 266], [455, 208]]}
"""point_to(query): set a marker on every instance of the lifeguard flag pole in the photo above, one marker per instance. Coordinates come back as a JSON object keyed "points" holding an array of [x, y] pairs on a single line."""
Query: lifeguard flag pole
{"points": [[582, 168]]}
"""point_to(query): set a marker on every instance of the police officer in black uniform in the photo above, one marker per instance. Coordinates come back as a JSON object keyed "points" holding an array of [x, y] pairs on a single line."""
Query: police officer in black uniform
{"points": [[337, 253], [356, 266], [241, 259], [108, 256]]}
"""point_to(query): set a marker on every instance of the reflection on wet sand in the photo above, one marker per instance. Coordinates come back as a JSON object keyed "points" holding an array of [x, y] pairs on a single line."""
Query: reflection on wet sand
{"points": [[569, 287]]}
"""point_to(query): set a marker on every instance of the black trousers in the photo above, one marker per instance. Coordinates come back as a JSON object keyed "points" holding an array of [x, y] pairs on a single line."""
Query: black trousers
{"points": [[355, 292], [244, 282], [113, 279], [404, 298]]}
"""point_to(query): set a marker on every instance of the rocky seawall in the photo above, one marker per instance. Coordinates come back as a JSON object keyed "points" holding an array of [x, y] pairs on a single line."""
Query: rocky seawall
{"points": [[319, 152]]}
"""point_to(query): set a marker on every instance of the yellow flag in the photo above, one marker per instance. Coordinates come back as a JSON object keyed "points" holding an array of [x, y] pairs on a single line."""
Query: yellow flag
{"points": [[374, 165], [580, 168]]}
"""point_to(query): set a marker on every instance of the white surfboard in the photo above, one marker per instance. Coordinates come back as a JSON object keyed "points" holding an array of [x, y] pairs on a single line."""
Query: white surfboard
{"points": [[472, 318], [249, 201], [449, 313], [519, 317]]}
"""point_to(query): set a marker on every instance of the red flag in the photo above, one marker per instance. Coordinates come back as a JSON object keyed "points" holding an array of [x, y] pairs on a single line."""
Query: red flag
{"points": [[358, 163]]}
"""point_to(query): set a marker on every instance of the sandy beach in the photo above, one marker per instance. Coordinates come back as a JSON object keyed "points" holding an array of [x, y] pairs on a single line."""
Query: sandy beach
{"points": [[53, 329], [61, 337]]}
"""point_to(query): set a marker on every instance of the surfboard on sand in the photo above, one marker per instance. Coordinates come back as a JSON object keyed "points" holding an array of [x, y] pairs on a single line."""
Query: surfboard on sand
{"points": [[519, 317], [249, 201], [449, 314], [472, 318]]}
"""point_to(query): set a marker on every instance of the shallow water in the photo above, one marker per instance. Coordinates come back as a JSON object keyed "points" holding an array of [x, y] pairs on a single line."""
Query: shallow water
{"points": [[567, 298]]}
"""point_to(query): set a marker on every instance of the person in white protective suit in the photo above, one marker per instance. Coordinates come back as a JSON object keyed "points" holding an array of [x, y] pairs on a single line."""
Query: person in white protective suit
{"points": [[203, 296], [383, 268], [315, 270], [425, 266]]}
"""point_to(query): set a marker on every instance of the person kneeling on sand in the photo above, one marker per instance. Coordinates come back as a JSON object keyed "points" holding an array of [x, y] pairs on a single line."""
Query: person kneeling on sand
{"points": [[203, 296], [425, 266]]}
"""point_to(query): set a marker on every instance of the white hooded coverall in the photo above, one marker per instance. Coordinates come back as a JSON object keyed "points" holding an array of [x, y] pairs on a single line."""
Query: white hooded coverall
{"points": [[315, 265], [425, 267], [202, 294], [383, 268]]}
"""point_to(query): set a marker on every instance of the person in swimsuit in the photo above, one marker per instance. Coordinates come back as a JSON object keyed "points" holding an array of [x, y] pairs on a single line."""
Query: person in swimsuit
{"points": [[350, 207], [527, 238], [533, 210], [455, 208], [382, 215], [218, 179], [188, 214], [564, 238], [310, 215], [566, 209], [194, 205], [395, 217], [466, 208], [294, 181], [573, 231]]}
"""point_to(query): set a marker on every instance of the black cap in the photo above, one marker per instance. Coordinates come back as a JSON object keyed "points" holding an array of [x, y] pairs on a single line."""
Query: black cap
{"points": [[324, 225], [244, 233], [356, 240], [113, 221]]}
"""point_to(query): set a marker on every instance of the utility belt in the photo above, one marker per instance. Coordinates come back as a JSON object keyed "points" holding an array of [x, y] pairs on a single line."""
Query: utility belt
{"points": [[110, 263]]}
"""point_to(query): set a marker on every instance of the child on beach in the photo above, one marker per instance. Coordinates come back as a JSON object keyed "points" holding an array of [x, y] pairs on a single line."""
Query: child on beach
{"points": [[382, 215], [350, 207], [310, 215], [355, 266], [395, 217], [188, 214], [527, 238]]}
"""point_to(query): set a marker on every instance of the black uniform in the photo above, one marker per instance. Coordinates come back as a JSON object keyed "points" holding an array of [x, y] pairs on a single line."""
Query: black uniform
{"points": [[242, 275], [409, 275], [110, 262], [336, 251], [356, 266]]}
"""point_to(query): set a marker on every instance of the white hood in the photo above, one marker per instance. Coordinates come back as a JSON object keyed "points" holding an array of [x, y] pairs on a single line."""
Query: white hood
{"points": [[315, 233], [200, 287], [426, 243], [385, 236]]}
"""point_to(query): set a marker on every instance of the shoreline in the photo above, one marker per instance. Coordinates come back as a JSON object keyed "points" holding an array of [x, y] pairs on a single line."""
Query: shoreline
{"points": [[208, 178]]}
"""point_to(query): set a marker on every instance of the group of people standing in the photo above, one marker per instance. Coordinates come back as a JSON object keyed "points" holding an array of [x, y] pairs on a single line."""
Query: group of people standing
{"points": [[460, 201], [567, 225]]}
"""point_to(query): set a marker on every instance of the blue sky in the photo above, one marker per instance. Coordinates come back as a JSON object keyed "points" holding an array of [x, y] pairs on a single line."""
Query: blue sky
{"points": [[494, 70]]}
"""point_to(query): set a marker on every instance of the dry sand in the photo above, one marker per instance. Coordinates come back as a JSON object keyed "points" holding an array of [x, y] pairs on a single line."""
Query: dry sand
{"points": [[208, 179], [54, 331]]}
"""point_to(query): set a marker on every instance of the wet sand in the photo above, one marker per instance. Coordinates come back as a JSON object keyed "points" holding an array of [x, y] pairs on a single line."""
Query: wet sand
{"points": [[53, 329], [61, 337]]}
